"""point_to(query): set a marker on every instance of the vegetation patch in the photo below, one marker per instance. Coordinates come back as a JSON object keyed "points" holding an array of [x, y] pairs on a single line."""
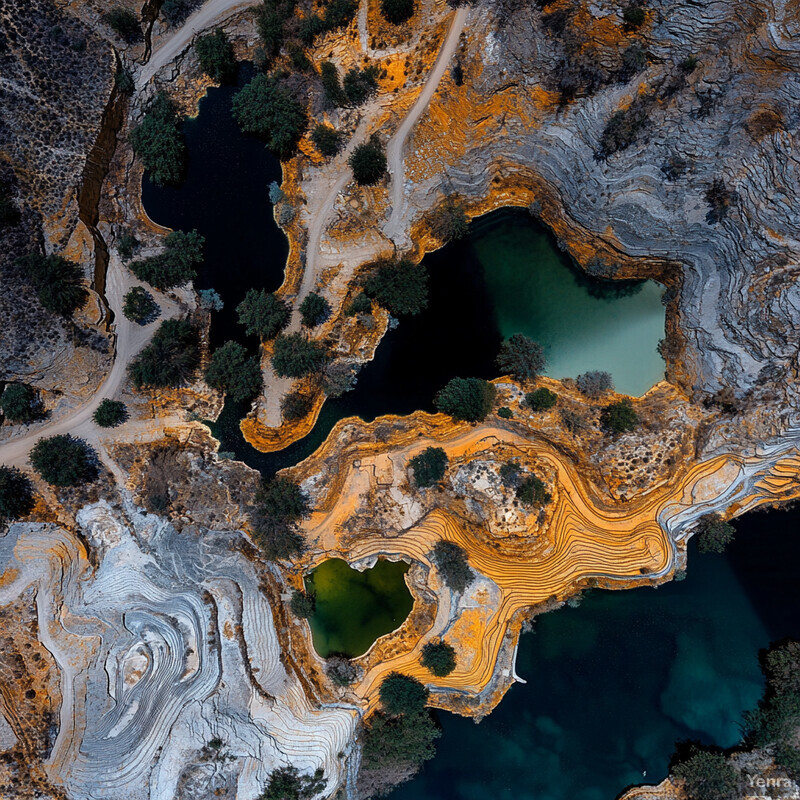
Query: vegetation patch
{"points": [[175, 266], [16, 494], [714, 534], [541, 399], [110, 413], [295, 356], [451, 561], [234, 372], [159, 142], [468, 399], [619, 417], [216, 56], [401, 287], [57, 281], [263, 314], [439, 658], [64, 460], [170, 360], [520, 357], [279, 506], [19, 403], [139, 306], [368, 162], [429, 466], [314, 310]]}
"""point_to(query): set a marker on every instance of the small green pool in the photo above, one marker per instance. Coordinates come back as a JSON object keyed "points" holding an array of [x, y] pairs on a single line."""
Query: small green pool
{"points": [[356, 608]]}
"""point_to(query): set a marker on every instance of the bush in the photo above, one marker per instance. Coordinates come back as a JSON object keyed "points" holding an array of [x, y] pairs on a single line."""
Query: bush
{"points": [[619, 417], [594, 383], [175, 265], [331, 85], [296, 405], [624, 126], [359, 85], [451, 561], [314, 310], [216, 56], [439, 658], [341, 670], [327, 140], [504, 412], [449, 221], [58, 282], [468, 399], [266, 108], [541, 399], [633, 16], [139, 306], [707, 776], [171, 358], [127, 245], [634, 60], [110, 413], [270, 17], [16, 494], [397, 11], [720, 199], [429, 466], [279, 506], [286, 783], [18, 402], [295, 356], [399, 741], [402, 694], [263, 314], [124, 23], [368, 162], [303, 604], [234, 372], [9, 213], [533, 492], [360, 304], [510, 474], [714, 534], [123, 80], [339, 377], [64, 460], [177, 11], [520, 357], [781, 667], [159, 142], [210, 300], [401, 287]]}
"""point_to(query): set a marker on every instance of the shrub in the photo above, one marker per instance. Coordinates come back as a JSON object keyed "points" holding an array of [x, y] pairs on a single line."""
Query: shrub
{"points": [[139, 306], [9, 213], [303, 604], [327, 140], [159, 142], [368, 162], [520, 357], [451, 561], [123, 80], [341, 670], [176, 11], [624, 126], [359, 85], [110, 413], [216, 56], [429, 466], [541, 399], [296, 405], [58, 282], [714, 534], [276, 194], [339, 377], [706, 776], [720, 199], [270, 17], [634, 16], [171, 358], [504, 412], [339, 13], [295, 356], [674, 167], [594, 383], [16, 494], [127, 245], [286, 783], [175, 265], [510, 474], [210, 300], [688, 65], [124, 23], [402, 694], [468, 399], [634, 60], [263, 314], [781, 667], [266, 108], [279, 505], [533, 492], [64, 460], [331, 85], [314, 310], [397, 11], [234, 372], [439, 658], [360, 304], [449, 221], [399, 741], [400, 287], [619, 417], [18, 402]]}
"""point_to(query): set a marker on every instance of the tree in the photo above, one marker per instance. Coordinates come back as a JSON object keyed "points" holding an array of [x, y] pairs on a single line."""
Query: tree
{"points": [[520, 357], [634, 16], [449, 221], [400, 287], [159, 142], [64, 460], [327, 139], [541, 399], [451, 561], [279, 506], [402, 694], [171, 358], [429, 466], [314, 310], [360, 304], [360, 84], [286, 783], [266, 108], [16, 494], [124, 23], [177, 11], [296, 405], [399, 741], [439, 658], [532, 492], [511, 474], [331, 85], [468, 399], [270, 17], [58, 282], [397, 11], [18, 402], [368, 162], [216, 56], [263, 314], [594, 383], [234, 372], [127, 245], [175, 265], [714, 533], [110, 413], [303, 604], [295, 356], [210, 300], [624, 126], [139, 306], [781, 667], [341, 670], [619, 417], [707, 776]]}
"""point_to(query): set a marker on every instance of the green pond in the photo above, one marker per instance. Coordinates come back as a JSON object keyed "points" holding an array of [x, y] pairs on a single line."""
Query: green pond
{"points": [[356, 608]]}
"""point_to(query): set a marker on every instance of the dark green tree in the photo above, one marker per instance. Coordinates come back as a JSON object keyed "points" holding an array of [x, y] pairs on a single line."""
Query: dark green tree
{"points": [[295, 356], [368, 162], [234, 372], [520, 357], [439, 658], [58, 282], [171, 359], [633, 15], [619, 417], [400, 287], [781, 666], [331, 84], [451, 561], [327, 139], [286, 783], [296, 405], [303, 604], [541, 399], [110, 413], [19, 402], [511, 474], [361, 304], [176, 12], [124, 23], [174, 266], [532, 492], [339, 13], [159, 142], [279, 506], [429, 466], [707, 776], [270, 17], [397, 11], [139, 306], [127, 245], [714, 534], [64, 460], [468, 399], [449, 221], [360, 84], [407, 740], [314, 310], [263, 314], [402, 694], [267, 108], [16, 494], [216, 56]]}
